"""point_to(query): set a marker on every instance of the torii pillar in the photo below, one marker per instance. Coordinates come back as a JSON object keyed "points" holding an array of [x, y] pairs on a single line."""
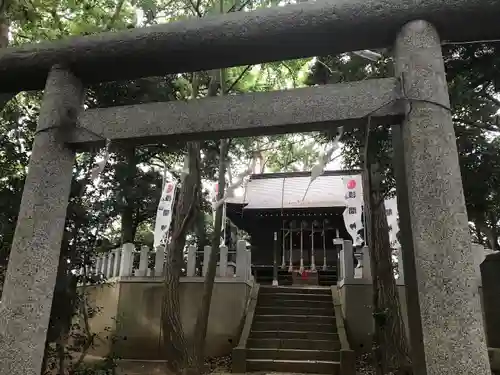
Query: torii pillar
{"points": [[446, 328], [34, 257]]}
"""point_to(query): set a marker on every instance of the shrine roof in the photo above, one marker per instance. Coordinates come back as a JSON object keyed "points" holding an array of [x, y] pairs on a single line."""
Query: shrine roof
{"points": [[294, 190]]}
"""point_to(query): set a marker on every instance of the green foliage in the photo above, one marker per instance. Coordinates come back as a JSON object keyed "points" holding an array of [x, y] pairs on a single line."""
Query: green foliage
{"points": [[104, 367], [35, 20], [123, 204], [473, 73], [16, 126]]}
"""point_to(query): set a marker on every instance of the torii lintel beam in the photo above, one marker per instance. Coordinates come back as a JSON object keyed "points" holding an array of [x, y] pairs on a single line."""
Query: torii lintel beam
{"points": [[313, 28], [300, 110]]}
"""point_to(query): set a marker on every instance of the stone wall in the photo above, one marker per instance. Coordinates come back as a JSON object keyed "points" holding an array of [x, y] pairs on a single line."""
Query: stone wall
{"points": [[490, 274], [355, 290], [356, 300], [130, 312]]}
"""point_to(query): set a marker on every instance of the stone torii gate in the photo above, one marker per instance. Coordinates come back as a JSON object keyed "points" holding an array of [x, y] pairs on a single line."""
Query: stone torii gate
{"points": [[446, 329]]}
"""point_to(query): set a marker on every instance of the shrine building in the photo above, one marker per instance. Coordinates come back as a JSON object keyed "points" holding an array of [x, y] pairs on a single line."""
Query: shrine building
{"points": [[296, 226]]}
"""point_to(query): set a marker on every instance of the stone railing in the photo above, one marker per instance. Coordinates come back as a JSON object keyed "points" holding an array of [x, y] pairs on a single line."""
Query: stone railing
{"points": [[348, 274], [126, 261], [480, 253]]}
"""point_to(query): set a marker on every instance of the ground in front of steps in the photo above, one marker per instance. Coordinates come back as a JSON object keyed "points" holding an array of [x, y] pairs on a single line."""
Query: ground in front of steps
{"points": [[216, 366]]}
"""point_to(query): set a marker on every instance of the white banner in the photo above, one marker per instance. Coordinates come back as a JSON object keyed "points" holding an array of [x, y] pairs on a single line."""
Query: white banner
{"points": [[164, 214], [391, 209], [354, 205]]}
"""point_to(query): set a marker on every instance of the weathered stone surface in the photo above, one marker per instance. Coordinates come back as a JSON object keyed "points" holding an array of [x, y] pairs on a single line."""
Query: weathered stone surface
{"points": [[453, 335], [408, 254], [34, 258], [313, 28], [300, 110], [490, 273]]}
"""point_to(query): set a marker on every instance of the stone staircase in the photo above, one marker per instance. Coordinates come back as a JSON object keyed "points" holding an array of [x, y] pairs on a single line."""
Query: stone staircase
{"points": [[293, 330], [264, 276]]}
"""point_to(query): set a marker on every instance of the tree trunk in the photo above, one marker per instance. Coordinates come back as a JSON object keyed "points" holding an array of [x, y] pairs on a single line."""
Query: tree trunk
{"points": [[201, 232], [391, 345], [127, 224], [200, 330], [4, 42], [176, 348], [127, 215]]}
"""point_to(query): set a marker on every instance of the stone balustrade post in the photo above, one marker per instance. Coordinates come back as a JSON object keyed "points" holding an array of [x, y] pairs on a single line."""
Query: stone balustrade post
{"points": [[143, 261], [191, 261], [241, 259], [367, 267], [341, 270], [104, 265], [109, 270], [127, 259], [206, 256], [117, 254], [223, 252], [87, 273], [479, 255], [159, 260], [249, 265], [348, 261], [98, 265], [93, 268]]}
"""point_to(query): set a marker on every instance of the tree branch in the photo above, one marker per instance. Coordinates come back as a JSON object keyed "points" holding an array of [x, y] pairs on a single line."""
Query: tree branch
{"points": [[196, 7], [233, 8], [490, 97], [238, 79], [480, 125], [57, 20], [116, 14], [290, 70]]}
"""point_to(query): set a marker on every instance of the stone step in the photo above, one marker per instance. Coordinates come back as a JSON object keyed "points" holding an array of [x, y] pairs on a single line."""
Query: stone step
{"points": [[317, 319], [296, 296], [310, 311], [293, 326], [328, 276], [333, 280], [293, 354], [329, 335], [293, 344], [327, 273], [327, 282], [295, 290], [139, 367], [296, 366], [281, 302]]}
